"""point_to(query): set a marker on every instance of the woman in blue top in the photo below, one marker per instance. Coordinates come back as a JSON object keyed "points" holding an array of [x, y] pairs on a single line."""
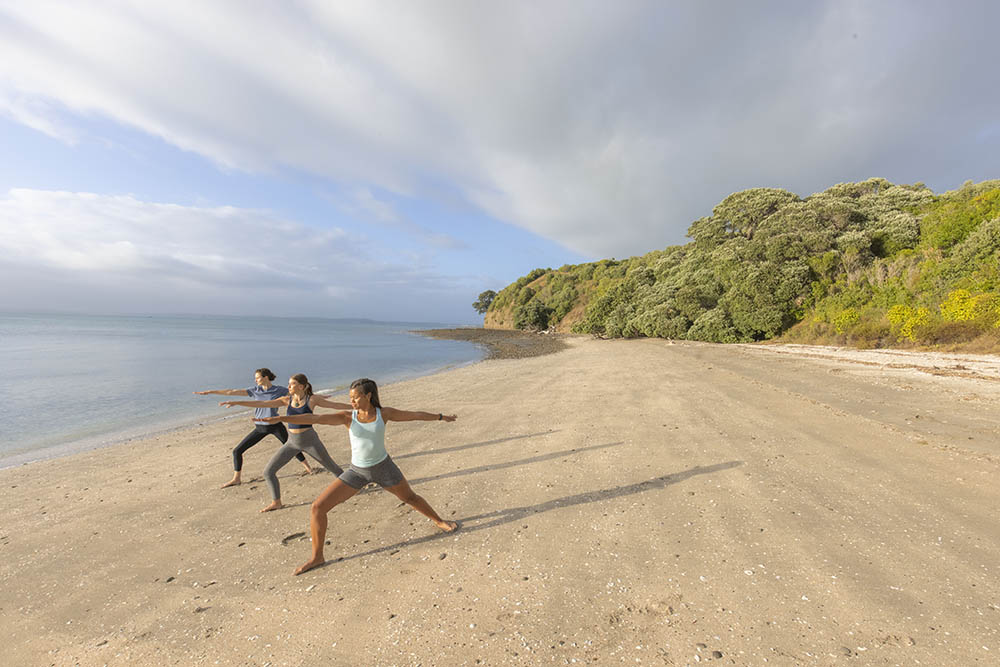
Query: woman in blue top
{"points": [[262, 390], [369, 461], [299, 400]]}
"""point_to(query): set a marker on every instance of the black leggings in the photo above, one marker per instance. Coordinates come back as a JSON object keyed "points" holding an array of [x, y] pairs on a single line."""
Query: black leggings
{"points": [[259, 432]]}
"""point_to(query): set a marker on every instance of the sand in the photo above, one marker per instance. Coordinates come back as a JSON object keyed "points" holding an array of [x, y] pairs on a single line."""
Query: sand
{"points": [[621, 502], [503, 343]]}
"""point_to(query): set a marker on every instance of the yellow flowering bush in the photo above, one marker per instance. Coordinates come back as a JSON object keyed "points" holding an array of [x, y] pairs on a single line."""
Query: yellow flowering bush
{"points": [[921, 316], [962, 306], [898, 314], [906, 321], [846, 319]]}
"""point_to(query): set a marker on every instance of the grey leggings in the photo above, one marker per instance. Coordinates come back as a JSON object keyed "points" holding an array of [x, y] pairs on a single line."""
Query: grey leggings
{"points": [[304, 441]]}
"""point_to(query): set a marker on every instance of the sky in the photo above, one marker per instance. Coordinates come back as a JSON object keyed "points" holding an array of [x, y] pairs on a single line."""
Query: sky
{"points": [[392, 160]]}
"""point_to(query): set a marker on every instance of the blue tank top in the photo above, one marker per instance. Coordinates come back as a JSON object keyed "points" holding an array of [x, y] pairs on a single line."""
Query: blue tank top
{"points": [[303, 410], [368, 441]]}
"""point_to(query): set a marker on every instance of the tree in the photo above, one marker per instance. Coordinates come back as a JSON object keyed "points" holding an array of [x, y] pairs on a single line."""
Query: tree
{"points": [[742, 212], [534, 316], [482, 304]]}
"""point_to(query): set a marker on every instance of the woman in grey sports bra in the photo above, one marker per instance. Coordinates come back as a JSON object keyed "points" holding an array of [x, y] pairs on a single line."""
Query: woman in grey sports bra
{"points": [[262, 390], [369, 461], [301, 437]]}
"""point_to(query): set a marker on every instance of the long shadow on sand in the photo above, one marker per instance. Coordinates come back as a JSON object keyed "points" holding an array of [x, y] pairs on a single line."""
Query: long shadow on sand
{"points": [[471, 445], [511, 464], [502, 516], [457, 448], [371, 488]]}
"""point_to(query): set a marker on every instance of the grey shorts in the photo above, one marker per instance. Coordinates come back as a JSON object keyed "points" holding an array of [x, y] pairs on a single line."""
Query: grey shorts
{"points": [[384, 473]]}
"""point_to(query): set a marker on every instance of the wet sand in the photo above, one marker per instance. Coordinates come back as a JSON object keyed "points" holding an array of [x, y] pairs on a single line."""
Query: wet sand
{"points": [[634, 502], [504, 343]]}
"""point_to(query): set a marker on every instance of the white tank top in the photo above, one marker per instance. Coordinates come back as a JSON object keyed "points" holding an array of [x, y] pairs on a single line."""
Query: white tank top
{"points": [[367, 441]]}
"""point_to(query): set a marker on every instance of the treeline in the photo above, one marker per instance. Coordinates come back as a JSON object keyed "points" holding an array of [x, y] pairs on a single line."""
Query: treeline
{"points": [[867, 264]]}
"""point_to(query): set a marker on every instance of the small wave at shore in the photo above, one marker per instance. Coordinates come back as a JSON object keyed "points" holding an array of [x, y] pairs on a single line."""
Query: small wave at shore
{"points": [[122, 378]]}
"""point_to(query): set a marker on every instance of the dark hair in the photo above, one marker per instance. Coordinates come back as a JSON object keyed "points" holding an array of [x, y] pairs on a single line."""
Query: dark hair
{"points": [[266, 372], [304, 381], [366, 386]]}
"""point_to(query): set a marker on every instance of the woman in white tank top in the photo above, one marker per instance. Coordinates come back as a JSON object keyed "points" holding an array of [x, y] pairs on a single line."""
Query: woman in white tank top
{"points": [[370, 462]]}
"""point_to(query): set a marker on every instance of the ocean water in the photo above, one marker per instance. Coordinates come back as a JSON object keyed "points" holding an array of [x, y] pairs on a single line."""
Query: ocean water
{"points": [[74, 382]]}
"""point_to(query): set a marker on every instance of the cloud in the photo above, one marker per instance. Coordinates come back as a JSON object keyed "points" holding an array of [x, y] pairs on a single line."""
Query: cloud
{"points": [[118, 253], [607, 127], [36, 114], [364, 204]]}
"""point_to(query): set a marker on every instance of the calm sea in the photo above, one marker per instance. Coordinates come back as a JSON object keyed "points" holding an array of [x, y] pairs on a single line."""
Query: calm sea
{"points": [[75, 382]]}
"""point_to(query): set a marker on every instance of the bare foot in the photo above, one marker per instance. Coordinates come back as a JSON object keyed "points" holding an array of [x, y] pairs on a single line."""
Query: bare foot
{"points": [[309, 565], [448, 526], [275, 505], [235, 481]]}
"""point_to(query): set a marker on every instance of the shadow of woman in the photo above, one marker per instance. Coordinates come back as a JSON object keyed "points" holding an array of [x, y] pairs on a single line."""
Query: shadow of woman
{"points": [[499, 517]]}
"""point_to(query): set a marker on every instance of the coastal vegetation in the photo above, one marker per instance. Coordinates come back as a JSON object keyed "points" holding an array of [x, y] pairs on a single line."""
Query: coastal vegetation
{"points": [[482, 304], [869, 264]]}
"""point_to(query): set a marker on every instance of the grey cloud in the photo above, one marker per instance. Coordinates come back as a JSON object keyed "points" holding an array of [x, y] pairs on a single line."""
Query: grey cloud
{"points": [[120, 254], [607, 127]]}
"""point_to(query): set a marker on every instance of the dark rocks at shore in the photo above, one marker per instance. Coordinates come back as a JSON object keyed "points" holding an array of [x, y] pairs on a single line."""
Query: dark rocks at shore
{"points": [[503, 343]]}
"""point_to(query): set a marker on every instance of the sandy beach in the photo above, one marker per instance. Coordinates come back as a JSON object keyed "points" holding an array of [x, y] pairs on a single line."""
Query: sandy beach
{"points": [[503, 343], [621, 502]]}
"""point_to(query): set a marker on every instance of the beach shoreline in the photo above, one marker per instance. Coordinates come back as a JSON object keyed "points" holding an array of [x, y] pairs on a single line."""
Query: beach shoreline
{"points": [[203, 413], [503, 343], [619, 499], [514, 344]]}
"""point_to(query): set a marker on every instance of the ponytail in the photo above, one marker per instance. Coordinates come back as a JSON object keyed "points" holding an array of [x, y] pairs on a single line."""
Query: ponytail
{"points": [[366, 386], [304, 381]]}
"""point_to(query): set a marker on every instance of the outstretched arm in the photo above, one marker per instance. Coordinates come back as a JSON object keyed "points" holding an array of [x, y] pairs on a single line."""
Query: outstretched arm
{"points": [[392, 414], [324, 402], [335, 419], [276, 403], [223, 392]]}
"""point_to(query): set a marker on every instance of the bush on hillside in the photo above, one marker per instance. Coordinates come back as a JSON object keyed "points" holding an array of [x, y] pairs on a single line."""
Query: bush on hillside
{"points": [[867, 263], [533, 316]]}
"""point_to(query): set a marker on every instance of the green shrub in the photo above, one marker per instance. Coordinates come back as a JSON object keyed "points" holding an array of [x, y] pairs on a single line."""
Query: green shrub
{"points": [[563, 301], [525, 295], [949, 333], [866, 263], [534, 315], [714, 327], [869, 334], [741, 213], [894, 231], [951, 220]]}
